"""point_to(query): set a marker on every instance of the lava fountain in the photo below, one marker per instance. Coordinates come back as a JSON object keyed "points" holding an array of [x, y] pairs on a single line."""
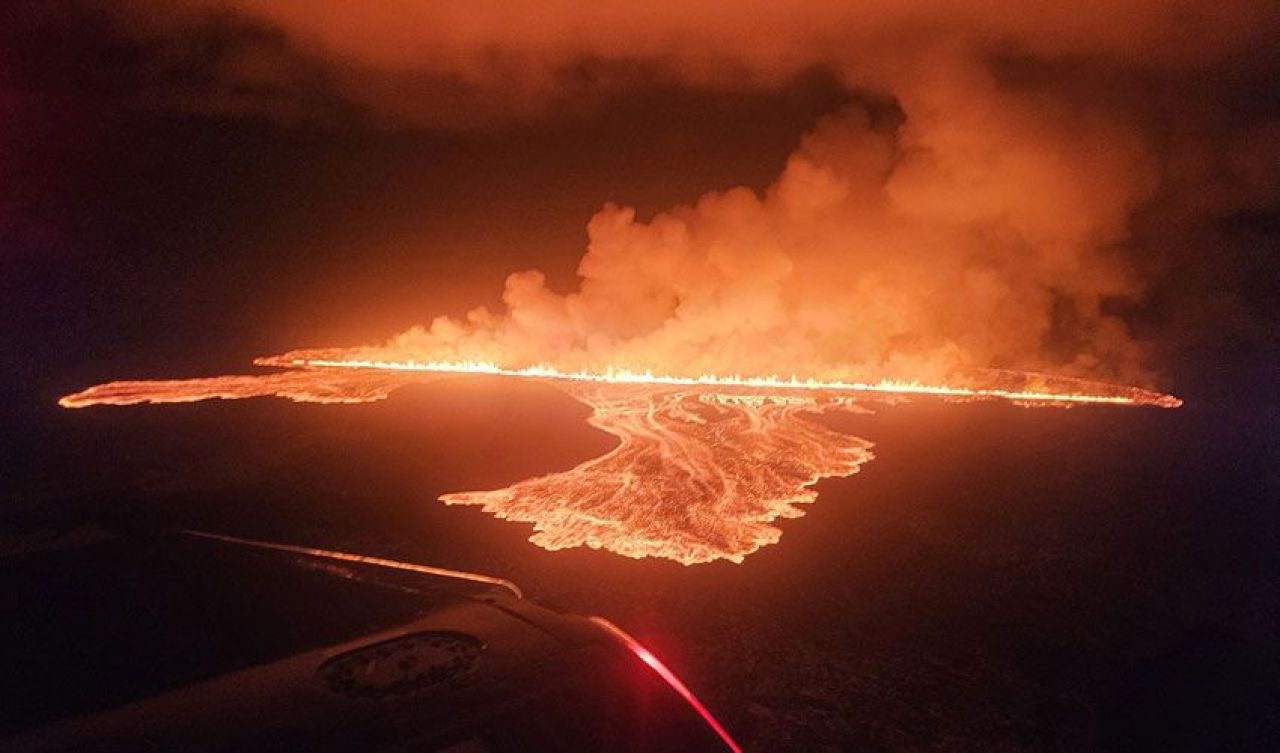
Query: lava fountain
{"points": [[703, 464]]}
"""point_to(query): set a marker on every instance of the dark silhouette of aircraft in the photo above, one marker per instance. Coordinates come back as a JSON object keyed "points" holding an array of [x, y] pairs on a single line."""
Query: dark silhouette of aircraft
{"points": [[190, 641]]}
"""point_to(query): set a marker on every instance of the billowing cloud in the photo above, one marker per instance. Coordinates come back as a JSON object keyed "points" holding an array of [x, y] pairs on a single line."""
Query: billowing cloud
{"points": [[984, 219], [440, 62], [977, 234]]}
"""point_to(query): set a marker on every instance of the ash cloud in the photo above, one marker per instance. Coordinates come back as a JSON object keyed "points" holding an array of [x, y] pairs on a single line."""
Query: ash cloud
{"points": [[1038, 169]]}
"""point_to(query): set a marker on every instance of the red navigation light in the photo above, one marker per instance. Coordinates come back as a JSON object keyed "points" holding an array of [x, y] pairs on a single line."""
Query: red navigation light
{"points": [[654, 663]]}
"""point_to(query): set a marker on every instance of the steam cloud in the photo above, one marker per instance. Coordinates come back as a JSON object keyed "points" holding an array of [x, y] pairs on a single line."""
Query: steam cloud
{"points": [[948, 241], [981, 218]]}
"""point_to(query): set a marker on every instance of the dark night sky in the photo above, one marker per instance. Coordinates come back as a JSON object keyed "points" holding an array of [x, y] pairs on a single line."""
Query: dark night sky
{"points": [[159, 218], [139, 233]]}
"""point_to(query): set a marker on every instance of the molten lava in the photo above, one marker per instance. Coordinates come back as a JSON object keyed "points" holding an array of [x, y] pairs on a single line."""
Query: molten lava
{"points": [[703, 465], [696, 475]]}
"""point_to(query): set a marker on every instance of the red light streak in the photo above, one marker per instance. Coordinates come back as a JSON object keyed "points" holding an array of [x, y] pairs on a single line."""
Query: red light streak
{"points": [[654, 663]]}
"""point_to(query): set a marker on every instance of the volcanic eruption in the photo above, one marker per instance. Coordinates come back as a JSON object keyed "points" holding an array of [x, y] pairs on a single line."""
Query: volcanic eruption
{"points": [[702, 467], [949, 234]]}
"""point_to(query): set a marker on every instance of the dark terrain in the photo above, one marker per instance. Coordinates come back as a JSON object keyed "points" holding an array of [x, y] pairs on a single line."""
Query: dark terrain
{"points": [[996, 579]]}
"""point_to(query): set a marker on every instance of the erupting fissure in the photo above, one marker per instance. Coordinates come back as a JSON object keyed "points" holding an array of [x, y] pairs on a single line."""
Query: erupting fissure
{"points": [[703, 465], [1034, 388]]}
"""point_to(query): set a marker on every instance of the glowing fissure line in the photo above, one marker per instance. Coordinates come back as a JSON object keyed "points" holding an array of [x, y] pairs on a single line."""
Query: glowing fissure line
{"points": [[623, 376]]}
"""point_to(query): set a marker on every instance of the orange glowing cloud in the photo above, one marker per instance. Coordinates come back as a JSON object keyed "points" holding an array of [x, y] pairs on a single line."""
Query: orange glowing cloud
{"points": [[437, 62], [979, 232], [981, 220]]}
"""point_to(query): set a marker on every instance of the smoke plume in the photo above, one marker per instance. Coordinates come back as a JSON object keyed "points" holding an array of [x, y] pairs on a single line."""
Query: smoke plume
{"points": [[972, 207]]}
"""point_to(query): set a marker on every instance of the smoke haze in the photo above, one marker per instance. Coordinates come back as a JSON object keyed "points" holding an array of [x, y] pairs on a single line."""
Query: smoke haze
{"points": [[973, 206]]}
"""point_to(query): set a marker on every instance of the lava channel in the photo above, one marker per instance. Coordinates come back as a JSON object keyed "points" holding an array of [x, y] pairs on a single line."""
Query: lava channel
{"points": [[702, 469]]}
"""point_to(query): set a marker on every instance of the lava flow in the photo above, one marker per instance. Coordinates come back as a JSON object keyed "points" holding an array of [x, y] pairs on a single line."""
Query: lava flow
{"points": [[703, 465]]}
